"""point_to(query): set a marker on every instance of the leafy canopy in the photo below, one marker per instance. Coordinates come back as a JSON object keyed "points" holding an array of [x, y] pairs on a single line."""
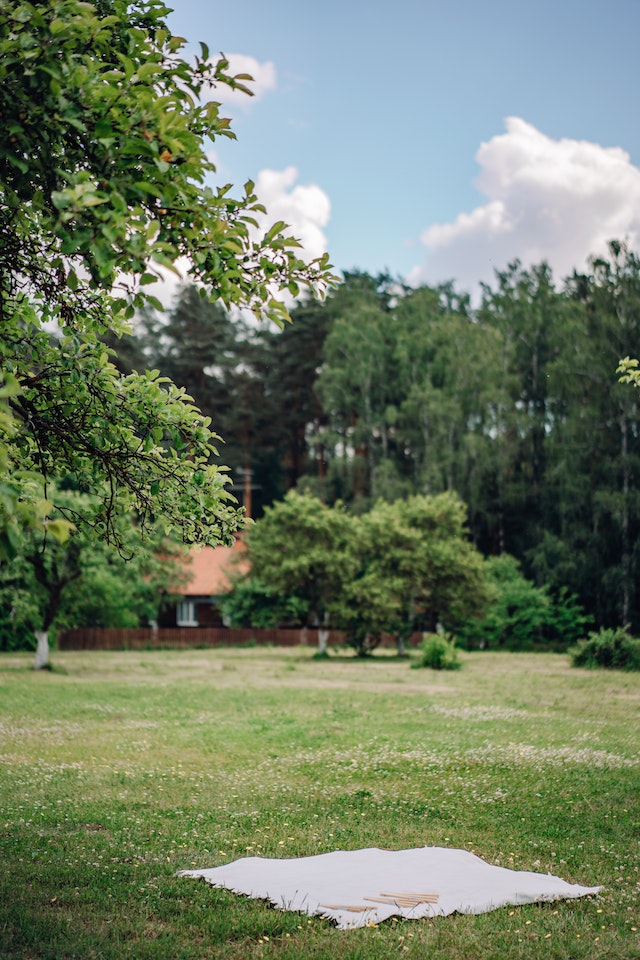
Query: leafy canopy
{"points": [[104, 179], [83, 582], [392, 570]]}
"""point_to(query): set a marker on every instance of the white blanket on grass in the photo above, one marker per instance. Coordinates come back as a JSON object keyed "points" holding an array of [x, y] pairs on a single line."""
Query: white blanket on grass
{"points": [[347, 886]]}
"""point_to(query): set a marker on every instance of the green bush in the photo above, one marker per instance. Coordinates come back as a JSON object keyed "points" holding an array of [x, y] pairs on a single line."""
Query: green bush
{"points": [[437, 651], [612, 648], [521, 616], [567, 622], [14, 636]]}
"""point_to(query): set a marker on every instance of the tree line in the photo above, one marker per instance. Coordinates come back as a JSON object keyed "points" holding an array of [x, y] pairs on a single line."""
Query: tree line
{"points": [[382, 392], [400, 568]]}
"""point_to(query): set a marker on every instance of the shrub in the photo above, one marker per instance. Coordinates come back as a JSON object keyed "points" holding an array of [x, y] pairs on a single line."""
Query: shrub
{"points": [[14, 636], [521, 616], [610, 647], [567, 623], [438, 652]]}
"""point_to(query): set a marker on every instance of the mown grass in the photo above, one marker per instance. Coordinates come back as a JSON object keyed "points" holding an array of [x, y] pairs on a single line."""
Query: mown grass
{"points": [[118, 769]]}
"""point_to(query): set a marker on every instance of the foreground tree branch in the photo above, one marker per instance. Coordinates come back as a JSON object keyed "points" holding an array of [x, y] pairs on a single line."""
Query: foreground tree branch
{"points": [[103, 182]]}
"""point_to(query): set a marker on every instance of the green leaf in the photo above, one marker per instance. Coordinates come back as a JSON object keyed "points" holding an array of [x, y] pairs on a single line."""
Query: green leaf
{"points": [[274, 230], [60, 529]]}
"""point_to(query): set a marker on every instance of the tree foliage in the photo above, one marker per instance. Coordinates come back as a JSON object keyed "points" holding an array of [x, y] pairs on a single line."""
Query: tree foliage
{"points": [[414, 568], [520, 615], [514, 406], [105, 179], [629, 371], [82, 582], [302, 548], [251, 603], [609, 648], [390, 571]]}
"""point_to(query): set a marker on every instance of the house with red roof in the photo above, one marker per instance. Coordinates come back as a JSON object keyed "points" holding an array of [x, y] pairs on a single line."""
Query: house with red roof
{"points": [[207, 576]]}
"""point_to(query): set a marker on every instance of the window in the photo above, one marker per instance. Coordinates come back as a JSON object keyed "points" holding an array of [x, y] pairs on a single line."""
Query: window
{"points": [[186, 614]]}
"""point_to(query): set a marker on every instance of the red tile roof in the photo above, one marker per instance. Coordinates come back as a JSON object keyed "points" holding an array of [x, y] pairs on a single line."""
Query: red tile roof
{"points": [[209, 570]]}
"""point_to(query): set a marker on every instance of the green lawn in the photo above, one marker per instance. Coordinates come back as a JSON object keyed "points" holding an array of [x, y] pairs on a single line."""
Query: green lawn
{"points": [[118, 769]]}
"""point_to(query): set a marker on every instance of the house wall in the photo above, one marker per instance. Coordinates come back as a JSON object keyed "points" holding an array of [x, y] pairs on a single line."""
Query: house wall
{"points": [[206, 610]]}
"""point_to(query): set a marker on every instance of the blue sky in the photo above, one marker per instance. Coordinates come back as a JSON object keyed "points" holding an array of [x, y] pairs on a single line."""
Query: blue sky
{"points": [[436, 140]]}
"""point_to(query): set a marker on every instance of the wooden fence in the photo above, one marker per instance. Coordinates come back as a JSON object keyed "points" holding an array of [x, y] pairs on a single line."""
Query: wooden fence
{"points": [[141, 638]]}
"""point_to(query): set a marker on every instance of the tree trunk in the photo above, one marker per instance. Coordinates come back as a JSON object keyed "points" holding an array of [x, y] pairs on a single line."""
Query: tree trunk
{"points": [[321, 623], [626, 547], [42, 650], [323, 639]]}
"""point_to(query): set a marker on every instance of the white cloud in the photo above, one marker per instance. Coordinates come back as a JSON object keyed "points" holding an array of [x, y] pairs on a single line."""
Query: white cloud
{"points": [[264, 80], [553, 200], [306, 209]]}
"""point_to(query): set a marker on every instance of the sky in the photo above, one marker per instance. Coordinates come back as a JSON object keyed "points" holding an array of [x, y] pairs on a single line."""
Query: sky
{"points": [[435, 140]]}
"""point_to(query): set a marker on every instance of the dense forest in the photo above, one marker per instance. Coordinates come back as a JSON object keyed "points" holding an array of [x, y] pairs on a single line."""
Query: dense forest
{"points": [[382, 391]]}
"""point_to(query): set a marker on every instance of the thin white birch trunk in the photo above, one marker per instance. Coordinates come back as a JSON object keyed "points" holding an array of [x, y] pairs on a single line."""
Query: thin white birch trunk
{"points": [[42, 650], [323, 639]]}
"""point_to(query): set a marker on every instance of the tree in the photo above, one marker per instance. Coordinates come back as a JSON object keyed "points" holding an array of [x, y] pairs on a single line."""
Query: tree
{"points": [[520, 615], [444, 413], [294, 357], [103, 181], [531, 322], [252, 604], [594, 500], [422, 545], [355, 385], [300, 548], [226, 366], [81, 582], [33, 585], [398, 568], [369, 603], [197, 346]]}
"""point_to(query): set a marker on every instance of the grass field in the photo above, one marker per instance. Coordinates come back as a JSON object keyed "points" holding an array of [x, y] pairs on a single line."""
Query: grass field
{"points": [[118, 769]]}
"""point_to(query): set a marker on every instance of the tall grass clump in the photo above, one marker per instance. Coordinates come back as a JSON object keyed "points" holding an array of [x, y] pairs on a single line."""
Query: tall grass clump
{"points": [[437, 651]]}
